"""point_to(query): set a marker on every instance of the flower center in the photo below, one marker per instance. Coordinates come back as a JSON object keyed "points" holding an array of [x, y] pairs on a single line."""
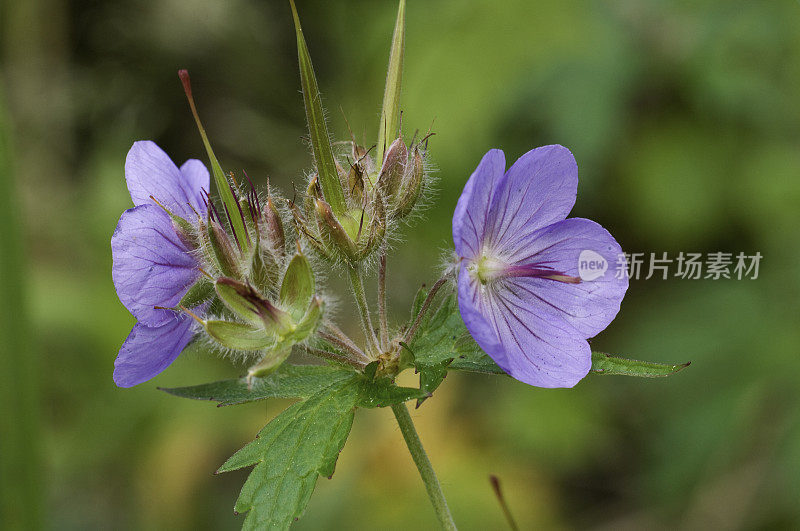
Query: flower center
{"points": [[487, 269]]}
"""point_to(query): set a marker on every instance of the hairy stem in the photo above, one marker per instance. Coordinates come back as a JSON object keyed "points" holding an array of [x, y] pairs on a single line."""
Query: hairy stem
{"points": [[334, 357], [382, 300], [425, 305], [423, 465], [361, 301], [345, 344]]}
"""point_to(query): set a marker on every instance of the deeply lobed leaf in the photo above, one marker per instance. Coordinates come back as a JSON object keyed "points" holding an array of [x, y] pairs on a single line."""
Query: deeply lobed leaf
{"points": [[288, 381], [298, 445]]}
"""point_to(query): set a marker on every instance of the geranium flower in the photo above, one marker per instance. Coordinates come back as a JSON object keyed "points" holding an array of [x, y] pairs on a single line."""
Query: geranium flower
{"points": [[520, 291], [153, 267]]}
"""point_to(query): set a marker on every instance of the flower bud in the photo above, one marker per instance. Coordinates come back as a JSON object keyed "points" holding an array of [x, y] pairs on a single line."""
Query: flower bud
{"points": [[377, 227], [411, 187], [333, 232], [298, 285], [264, 269], [224, 252], [274, 227], [393, 168]]}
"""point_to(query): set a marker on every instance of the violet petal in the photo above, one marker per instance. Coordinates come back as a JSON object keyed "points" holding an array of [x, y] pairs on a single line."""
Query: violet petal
{"points": [[150, 171], [152, 267], [149, 350]]}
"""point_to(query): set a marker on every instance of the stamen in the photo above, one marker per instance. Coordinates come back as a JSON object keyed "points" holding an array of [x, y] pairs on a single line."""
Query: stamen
{"points": [[537, 271], [156, 201], [248, 180], [213, 208], [230, 221], [190, 312]]}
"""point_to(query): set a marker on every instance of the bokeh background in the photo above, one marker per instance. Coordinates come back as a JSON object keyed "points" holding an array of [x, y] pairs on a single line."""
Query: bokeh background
{"points": [[685, 121]]}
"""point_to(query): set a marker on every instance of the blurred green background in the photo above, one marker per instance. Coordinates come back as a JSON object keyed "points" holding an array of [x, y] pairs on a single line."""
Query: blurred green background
{"points": [[685, 121]]}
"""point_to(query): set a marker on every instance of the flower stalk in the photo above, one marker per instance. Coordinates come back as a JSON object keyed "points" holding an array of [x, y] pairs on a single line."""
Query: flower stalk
{"points": [[384, 328], [424, 466], [357, 284], [425, 305]]}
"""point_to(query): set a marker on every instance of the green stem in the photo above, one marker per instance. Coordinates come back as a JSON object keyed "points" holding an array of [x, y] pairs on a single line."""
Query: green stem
{"points": [[423, 465], [382, 299], [361, 300]]}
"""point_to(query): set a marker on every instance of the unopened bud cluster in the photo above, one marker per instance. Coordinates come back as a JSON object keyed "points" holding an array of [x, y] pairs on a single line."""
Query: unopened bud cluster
{"points": [[375, 196], [263, 294]]}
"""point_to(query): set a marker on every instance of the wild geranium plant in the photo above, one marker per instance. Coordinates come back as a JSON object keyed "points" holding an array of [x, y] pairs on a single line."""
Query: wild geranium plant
{"points": [[239, 272]]}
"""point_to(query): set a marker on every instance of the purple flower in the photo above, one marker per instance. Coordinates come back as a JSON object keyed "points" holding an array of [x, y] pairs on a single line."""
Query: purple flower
{"points": [[152, 265], [522, 292]]}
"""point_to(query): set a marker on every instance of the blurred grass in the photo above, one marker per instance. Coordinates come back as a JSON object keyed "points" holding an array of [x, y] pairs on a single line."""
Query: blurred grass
{"points": [[685, 122]]}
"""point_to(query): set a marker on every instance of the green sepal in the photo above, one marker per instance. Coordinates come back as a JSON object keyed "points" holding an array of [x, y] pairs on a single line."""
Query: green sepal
{"points": [[603, 363], [390, 113], [308, 325], [264, 269], [201, 291], [317, 128], [298, 285], [269, 363], [238, 336], [233, 294]]}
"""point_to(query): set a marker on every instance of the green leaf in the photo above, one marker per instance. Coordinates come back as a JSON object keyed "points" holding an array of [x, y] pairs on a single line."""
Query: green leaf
{"points": [[383, 393], [419, 300], [390, 114], [443, 337], [430, 377], [298, 445], [320, 140], [603, 363], [299, 381], [289, 381]]}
